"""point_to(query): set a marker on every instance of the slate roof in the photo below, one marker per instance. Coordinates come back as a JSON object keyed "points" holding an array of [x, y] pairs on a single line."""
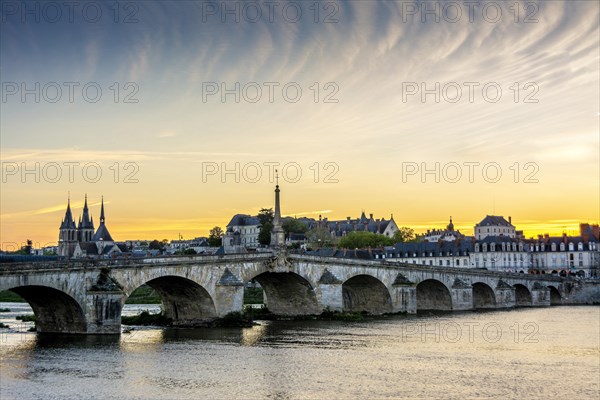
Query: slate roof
{"points": [[68, 222], [243, 220], [463, 246], [494, 220], [102, 234]]}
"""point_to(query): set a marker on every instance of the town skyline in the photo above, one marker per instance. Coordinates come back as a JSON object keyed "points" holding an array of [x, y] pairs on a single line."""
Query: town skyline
{"points": [[122, 232]]}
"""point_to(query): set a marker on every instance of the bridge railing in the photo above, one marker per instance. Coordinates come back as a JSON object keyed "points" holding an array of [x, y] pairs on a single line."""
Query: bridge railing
{"points": [[73, 264]]}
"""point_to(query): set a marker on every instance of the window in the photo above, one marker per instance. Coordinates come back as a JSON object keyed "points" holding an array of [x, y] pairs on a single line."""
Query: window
{"points": [[553, 247]]}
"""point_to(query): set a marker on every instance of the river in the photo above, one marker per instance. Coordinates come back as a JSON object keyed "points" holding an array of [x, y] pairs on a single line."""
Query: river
{"points": [[536, 353]]}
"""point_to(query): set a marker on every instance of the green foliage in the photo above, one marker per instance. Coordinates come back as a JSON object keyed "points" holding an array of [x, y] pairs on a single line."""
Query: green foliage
{"points": [[319, 237], [25, 318], [155, 245], [404, 234], [329, 315], [189, 252], [11, 297], [253, 296], [362, 240], [215, 237], [265, 218], [3, 325], [144, 295], [4, 309], [292, 225], [145, 318]]}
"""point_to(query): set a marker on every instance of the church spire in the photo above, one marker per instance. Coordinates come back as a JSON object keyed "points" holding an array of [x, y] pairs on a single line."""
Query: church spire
{"points": [[102, 212]]}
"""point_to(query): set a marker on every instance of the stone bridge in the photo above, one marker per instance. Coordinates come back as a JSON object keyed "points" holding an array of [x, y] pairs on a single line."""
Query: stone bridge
{"points": [[88, 296]]}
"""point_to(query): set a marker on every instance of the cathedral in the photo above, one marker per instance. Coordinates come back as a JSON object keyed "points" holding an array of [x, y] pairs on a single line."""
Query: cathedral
{"points": [[80, 240]]}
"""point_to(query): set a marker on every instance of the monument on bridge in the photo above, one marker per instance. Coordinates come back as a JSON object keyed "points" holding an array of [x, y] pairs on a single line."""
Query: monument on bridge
{"points": [[277, 234]]}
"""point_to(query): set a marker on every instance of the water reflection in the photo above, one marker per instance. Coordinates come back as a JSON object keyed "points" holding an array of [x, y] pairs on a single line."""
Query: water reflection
{"points": [[442, 356]]}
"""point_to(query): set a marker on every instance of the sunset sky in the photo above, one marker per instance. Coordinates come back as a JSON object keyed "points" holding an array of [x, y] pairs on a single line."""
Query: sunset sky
{"points": [[364, 57]]}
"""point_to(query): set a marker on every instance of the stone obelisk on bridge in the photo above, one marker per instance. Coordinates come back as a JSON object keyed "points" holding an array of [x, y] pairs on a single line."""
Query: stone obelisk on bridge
{"points": [[277, 234]]}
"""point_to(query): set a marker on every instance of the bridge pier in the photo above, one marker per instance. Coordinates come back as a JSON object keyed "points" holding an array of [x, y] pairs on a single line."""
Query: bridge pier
{"points": [[540, 295], [229, 294], [462, 295], [505, 295], [104, 312], [404, 298], [331, 296]]}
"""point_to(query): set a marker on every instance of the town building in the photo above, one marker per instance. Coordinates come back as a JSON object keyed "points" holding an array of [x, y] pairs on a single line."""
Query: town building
{"points": [[493, 225], [245, 228], [449, 234]]}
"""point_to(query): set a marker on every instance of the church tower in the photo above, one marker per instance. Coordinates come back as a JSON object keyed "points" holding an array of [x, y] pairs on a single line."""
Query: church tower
{"points": [[85, 230], [277, 234], [67, 238]]}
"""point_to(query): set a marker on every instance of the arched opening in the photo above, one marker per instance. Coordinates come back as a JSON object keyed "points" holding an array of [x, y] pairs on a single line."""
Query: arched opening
{"points": [[483, 296], [55, 311], [522, 296], [184, 301], [433, 295], [366, 293], [287, 293], [555, 297]]}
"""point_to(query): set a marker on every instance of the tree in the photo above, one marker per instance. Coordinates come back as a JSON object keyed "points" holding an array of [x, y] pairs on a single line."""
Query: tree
{"points": [[215, 237], [265, 221], [190, 252], [155, 245], [404, 234], [292, 225], [362, 240], [319, 237]]}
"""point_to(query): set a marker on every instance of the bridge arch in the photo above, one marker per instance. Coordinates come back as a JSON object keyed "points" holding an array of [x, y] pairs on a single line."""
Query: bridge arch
{"points": [[433, 295], [522, 296], [366, 293], [555, 297], [55, 311], [483, 296], [288, 293], [184, 301]]}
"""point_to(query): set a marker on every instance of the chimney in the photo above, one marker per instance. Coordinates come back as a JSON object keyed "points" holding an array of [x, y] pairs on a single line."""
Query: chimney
{"points": [[371, 216], [348, 219], [564, 238], [510, 219], [596, 231]]}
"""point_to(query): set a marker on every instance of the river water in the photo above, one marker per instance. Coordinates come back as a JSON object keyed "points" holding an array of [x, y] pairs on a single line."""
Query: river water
{"points": [[536, 353]]}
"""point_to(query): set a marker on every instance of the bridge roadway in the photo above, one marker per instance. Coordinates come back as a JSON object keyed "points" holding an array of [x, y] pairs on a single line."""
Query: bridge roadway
{"points": [[87, 296]]}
